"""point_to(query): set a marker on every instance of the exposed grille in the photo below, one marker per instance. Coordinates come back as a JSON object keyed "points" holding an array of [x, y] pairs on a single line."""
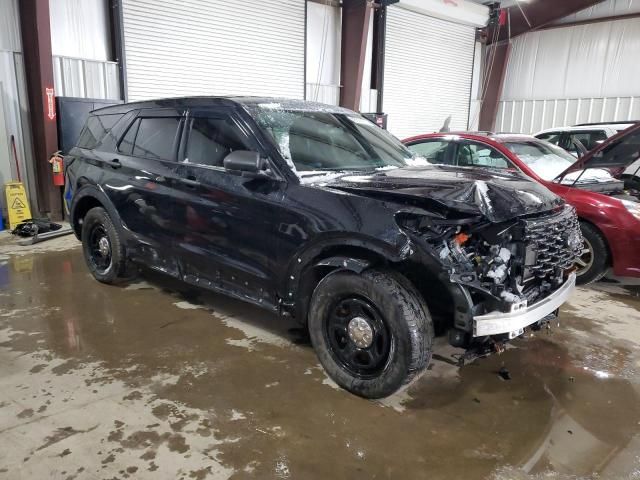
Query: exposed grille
{"points": [[553, 243]]}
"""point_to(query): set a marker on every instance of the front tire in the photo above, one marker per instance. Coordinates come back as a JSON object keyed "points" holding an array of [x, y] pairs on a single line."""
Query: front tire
{"points": [[372, 332], [594, 261], [103, 248]]}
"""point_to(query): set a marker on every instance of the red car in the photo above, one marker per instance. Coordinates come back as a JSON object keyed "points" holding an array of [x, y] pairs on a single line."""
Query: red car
{"points": [[603, 186]]}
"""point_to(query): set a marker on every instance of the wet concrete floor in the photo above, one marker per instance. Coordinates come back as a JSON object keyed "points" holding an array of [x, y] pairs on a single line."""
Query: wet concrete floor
{"points": [[150, 380]]}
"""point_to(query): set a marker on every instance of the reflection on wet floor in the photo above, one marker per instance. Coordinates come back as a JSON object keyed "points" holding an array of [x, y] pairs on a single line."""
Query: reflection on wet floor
{"points": [[154, 380]]}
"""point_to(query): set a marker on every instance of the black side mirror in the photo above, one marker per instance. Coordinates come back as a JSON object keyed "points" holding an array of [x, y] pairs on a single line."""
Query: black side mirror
{"points": [[244, 161]]}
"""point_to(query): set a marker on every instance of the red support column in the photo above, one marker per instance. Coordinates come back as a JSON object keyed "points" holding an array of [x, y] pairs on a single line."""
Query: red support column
{"points": [[497, 68], [355, 28], [38, 62]]}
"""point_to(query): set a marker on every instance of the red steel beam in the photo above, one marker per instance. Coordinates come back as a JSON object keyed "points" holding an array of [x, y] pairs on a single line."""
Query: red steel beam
{"points": [[355, 28], [38, 63], [497, 67], [525, 17]]}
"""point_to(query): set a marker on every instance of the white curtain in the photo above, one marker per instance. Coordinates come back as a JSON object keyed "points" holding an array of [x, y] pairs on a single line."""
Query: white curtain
{"points": [[80, 29], [597, 60]]}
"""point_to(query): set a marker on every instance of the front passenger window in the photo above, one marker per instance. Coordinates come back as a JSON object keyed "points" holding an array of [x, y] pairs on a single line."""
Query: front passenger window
{"points": [[212, 139], [477, 155], [434, 151]]}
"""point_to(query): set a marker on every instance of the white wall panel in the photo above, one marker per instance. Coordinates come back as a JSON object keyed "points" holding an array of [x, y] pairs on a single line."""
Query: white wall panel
{"points": [[9, 26], [609, 8], [214, 47], [596, 60], [15, 121], [324, 32], [76, 77], [568, 75], [428, 72], [531, 116], [80, 28]]}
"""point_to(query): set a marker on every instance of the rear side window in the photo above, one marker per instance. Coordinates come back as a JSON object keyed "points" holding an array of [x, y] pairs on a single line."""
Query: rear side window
{"points": [[153, 137], [96, 129], [590, 139], [211, 139], [551, 137]]}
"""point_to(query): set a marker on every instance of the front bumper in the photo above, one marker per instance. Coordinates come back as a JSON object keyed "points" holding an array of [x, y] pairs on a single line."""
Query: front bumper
{"points": [[496, 323]]}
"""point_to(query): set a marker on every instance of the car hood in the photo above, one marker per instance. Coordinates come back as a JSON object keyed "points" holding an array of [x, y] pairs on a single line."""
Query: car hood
{"points": [[496, 196], [617, 152]]}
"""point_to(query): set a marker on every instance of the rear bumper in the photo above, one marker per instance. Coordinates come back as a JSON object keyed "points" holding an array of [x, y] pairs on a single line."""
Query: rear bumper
{"points": [[496, 323]]}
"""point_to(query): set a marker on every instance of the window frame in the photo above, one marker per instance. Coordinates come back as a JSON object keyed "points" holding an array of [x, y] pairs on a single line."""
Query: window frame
{"points": [[215, 113], [154, 113], [559, 133]]}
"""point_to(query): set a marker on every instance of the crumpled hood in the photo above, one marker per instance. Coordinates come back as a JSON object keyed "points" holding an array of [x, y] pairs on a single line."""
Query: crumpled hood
{"points": [[496, 196]]}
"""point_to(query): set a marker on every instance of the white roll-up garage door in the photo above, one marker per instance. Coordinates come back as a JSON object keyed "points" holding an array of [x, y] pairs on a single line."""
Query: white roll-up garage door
{"points": [[428, 72], [214, 47]]}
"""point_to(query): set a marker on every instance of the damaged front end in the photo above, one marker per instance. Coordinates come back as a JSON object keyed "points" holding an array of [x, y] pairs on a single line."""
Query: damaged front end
{"points": [[513, 274]]}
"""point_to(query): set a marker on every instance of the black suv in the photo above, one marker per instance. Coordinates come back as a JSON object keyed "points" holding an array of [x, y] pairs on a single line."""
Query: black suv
{"points": [[312, 211]]}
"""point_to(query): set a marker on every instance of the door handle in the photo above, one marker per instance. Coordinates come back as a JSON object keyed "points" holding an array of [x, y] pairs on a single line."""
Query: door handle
{"points": [[190, 181], [115, 163]]}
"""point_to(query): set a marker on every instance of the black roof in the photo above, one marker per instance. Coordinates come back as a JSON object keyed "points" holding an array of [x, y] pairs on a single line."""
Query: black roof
{"points": [[203, 101]]}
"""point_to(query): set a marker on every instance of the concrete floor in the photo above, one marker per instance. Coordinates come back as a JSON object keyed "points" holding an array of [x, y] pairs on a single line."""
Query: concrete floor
{"points": [[143, 381]]}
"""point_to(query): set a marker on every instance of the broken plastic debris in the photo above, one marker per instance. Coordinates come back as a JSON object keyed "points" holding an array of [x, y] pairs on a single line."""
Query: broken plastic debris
{"points": [[504, 374]]}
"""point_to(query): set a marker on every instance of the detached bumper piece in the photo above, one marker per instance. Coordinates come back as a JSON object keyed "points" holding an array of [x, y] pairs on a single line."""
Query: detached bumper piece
{"points": [[496, 323]]}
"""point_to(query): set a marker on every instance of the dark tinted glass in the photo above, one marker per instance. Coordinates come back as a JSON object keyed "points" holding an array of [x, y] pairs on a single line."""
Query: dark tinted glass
{"points": [[157, 138], [551, 137], [621, 152], [590, 139], [434, 151], [212, 139], [96, 128], [126, 144], [471, 154]]}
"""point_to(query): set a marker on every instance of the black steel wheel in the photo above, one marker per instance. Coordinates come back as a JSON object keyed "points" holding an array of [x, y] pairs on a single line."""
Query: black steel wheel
{"points": [[100, 248], [358, 337], [103, 249], [372, 331]]}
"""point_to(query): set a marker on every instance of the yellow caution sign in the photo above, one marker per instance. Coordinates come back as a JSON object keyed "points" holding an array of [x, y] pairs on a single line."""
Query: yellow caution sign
{"points": [[17, 204]]}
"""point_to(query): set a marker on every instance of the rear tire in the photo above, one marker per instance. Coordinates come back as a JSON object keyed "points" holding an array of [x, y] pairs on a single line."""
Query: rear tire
{"points": [[593, 264], [103, 248], [372, 331]]}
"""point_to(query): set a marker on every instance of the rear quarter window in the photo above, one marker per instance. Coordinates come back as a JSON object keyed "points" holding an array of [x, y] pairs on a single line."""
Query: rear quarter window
{"points": [[96, 129]]}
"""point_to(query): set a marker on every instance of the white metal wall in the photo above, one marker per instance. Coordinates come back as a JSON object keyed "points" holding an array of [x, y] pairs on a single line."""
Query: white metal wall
{"points": [[428, 72], [324, 32], [80, 29], [81, 46], [569, 75], [78, 77], [214, 47], [14, 106]]}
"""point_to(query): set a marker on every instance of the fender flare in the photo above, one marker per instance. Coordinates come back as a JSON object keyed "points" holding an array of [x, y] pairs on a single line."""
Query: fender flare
{"points": [[304, 260], [94, 192]]}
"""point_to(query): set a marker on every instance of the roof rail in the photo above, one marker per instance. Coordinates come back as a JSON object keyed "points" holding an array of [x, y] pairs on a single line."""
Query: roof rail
{"points": [[619, 122]]}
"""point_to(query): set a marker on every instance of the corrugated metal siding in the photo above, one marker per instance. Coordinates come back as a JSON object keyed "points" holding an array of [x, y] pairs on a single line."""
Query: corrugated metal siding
{"points": [[77, 77], [214, 47], [428, 72], [531, 116]]}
